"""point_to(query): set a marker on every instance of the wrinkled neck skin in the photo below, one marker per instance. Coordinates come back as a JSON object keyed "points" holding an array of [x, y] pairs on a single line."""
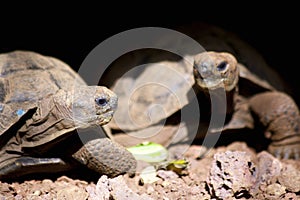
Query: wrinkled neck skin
{"points": [[55, 111], [230, 98], [51, 122], [220, 98]]}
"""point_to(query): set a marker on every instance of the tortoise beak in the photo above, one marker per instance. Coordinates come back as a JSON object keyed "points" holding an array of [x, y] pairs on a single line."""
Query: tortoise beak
{"points": [[205, 76]]}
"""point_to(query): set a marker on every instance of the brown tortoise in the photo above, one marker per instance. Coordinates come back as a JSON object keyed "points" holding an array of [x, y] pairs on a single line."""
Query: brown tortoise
{"points": [[249, 101], [40, 113], [140, 104], [275, 110]]}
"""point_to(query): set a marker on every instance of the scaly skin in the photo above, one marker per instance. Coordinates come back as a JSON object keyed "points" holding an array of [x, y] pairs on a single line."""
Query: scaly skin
{"points": [[103, 155], [277, 111], [280, 115]]}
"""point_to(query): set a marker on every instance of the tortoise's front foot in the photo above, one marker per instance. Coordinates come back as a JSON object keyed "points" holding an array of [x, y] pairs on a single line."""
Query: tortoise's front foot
{"points": [[106, 157], [285, 151], [279, 113]]}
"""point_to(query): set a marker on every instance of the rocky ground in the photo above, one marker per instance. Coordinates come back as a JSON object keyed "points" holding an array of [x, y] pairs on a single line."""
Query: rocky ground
{"points": [[232, 172]]}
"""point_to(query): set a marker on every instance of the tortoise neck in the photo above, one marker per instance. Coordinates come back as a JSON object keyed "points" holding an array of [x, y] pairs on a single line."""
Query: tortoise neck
{"points": [[221, 100], [230, 99]]}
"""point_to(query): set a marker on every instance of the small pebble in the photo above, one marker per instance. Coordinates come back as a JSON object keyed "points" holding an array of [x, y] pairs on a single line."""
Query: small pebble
{"points": [[275, 189], [37, 193]]}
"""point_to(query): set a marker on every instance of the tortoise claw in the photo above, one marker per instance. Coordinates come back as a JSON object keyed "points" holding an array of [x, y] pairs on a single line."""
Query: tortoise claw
{"points": [[276, 153], [297, 156], [287, 153], [291, 151]]}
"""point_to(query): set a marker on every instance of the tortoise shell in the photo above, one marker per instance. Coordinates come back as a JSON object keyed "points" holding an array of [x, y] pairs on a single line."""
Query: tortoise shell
{"points": [[28, 77]]}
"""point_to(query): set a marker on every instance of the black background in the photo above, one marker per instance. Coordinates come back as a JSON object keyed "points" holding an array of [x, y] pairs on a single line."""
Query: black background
{"points": [[271, 29]]}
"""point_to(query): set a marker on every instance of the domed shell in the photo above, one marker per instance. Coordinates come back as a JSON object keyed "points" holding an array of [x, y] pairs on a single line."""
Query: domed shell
{"points": [[27, 77]]}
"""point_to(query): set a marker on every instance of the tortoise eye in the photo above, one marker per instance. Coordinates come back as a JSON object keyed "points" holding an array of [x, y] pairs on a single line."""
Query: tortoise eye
{"points": [[222, 66], [101, 101]]}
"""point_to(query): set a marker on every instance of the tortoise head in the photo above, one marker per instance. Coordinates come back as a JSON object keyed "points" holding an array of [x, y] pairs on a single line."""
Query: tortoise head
{"points": [[93, 105], [86, 105], [213, 70]]}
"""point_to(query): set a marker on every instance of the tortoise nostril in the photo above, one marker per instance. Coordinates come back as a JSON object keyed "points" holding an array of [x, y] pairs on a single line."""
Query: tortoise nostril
{"points": [[101, 101], [222, 66]]}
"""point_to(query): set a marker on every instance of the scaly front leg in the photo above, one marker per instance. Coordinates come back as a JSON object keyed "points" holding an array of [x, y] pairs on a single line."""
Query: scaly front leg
{"points": [[106, 157], [279, 113]]}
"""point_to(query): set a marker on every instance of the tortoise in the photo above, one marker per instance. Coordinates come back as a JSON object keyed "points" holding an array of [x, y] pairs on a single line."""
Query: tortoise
{"points": [[250, 102], [45, 107], [275, 110]]}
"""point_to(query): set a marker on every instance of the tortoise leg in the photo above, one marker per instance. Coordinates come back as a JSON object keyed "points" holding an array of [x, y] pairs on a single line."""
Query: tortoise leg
{"points": [[280, 115], [27, 165], [106, 157]]}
